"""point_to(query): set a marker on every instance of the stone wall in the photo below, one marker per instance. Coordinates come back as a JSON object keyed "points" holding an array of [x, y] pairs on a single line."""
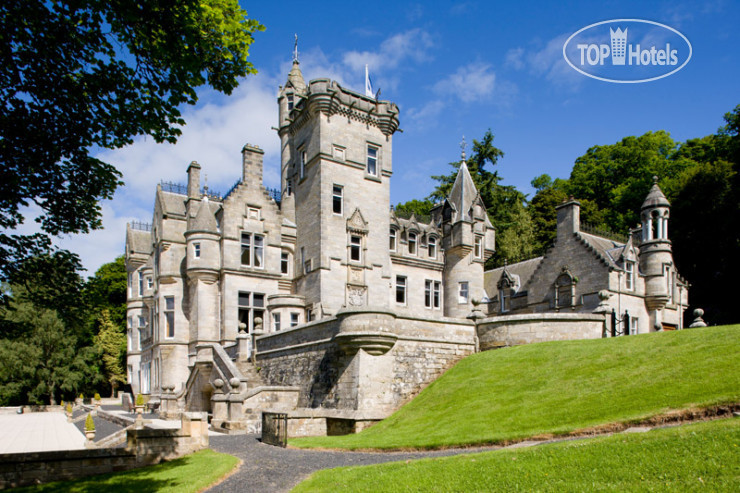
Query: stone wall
{"points": [[144, 447], [513, 330]]}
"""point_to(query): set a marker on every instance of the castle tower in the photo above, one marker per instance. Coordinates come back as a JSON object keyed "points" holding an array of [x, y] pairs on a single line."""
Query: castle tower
{"points": [[335, 175], [656, 259], [203, 265], [469, 240]]}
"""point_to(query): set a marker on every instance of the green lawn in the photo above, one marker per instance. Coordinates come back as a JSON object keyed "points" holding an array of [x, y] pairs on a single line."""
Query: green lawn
{"points": [[559, 387], [187, 474], [699, 457]]}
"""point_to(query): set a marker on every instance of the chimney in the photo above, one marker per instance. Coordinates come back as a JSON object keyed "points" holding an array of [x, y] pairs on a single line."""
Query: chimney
{"points": [[569, 218], [194, 180], [252, 165]]}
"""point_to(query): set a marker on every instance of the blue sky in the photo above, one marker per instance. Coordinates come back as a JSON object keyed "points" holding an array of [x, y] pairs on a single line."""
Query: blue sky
{"points": [[454, 69]]}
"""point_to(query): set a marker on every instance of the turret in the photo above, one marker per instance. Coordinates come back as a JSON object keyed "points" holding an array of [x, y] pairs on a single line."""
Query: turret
{"points": [[468, 241], [656, 260]]}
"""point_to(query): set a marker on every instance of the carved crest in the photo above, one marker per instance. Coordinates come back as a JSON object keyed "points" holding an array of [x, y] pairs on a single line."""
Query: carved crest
{"points": [[356, 223]]}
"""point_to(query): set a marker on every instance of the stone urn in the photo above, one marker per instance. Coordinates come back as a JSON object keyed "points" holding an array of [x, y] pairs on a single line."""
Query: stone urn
{"points": [[90, 435]]}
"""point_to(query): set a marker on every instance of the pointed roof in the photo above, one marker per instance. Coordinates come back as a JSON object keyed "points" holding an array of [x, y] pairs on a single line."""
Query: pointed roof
{"points": [[655, 197], [204, 220], [295, 77], [464, 192]]}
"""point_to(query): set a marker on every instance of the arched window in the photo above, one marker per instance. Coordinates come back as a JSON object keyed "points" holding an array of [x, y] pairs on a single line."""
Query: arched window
{"points": [[565, 289], [655, 226]]}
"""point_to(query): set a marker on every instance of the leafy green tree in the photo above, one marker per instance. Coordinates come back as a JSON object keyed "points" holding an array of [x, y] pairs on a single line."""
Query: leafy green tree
{"points": [[111, 344], [78, 76], [419, 207], [44, 362], [106, 290]]}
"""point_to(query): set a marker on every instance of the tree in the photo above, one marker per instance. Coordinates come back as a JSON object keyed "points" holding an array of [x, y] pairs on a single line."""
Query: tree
{"points": [[111, 344], [419, 207], [78, 76], [106, 290]]}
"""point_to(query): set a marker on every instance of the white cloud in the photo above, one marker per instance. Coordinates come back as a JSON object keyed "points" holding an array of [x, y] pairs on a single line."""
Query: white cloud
{"points": [[546, 61], [411, 45], [426, 116], [473, 82], [515, 58]]}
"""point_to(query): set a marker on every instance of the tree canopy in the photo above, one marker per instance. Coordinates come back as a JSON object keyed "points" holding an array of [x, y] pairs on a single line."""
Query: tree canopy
{"points": [[78, 76]]}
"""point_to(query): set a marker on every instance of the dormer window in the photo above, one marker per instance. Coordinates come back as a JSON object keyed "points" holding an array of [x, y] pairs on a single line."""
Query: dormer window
{"points": [[412, 243], [392, 240], [478, 247], [432, 247], [629, 278]]}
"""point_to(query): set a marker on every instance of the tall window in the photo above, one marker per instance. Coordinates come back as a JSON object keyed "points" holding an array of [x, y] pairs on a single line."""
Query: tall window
{"points": [[432, 293], [355, 248], [505, 295], [372, 160], [196, 250], [293, 319], [432, 246], [462, 293], [564, 290], [284, 262], [290, 102], [276, 322], [478, 250], [412, 243], [303, 163], [668, 283], [289, 187], [392, 238], [251, 307], [629, 278], [130, 285], [336, 202], [401, 290], [634, 324], [141, 285], [169, 315], [253, 247]]}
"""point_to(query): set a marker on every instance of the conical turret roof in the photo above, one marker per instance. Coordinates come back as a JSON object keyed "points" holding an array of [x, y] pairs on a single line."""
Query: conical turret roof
{"points": [[463, 192], [204, 220], [295, 77], [655, 197]]}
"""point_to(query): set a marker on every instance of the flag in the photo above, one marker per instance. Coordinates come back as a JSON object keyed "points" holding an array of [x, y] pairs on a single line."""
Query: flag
{"points": [[368, 84]]}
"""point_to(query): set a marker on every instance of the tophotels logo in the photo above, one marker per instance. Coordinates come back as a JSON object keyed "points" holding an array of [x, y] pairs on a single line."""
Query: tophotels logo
{"points": [[656, 51]]}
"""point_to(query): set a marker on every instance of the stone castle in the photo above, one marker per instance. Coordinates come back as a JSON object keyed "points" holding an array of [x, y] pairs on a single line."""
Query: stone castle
{"points": [[318, 300]]}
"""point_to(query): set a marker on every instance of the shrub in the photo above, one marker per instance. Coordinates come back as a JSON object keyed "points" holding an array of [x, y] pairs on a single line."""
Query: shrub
{"points": [[97, 396], [69, 408], [89, 423], [139, 400]]}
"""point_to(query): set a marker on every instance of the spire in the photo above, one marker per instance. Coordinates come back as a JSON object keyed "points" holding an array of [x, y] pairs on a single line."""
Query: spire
{"points": [[204, 220], [463, 145], [295, 50], [463, 192], [655, 198]]}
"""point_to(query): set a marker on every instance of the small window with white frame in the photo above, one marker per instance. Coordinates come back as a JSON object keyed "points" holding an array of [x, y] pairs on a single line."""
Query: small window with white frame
{"points": [[141, 284], [401, 290], [412, 243], [253, 249], [196, 250], [284, 262], [463, 293], [432, 247], [372, 160], [629, 275], [169, 316], [149, 282], [432, 293], [392, 240], [478, 247], [276, 322], [355, 248], [337, 199], [634, 325], [293, 319], [290, 102]]}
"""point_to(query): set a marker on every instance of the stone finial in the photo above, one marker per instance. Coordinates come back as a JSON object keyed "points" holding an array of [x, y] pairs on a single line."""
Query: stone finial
{"points": [[463, 145], [295, 50], [698, 321]]}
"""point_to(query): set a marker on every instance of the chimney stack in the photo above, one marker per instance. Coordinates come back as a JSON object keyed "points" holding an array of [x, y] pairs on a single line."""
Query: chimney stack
{"points": [[252, 165], [569, 218]]}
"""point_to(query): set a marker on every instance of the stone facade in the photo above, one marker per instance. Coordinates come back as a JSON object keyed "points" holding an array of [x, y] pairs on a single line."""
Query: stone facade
{"points": [[318, 299]]}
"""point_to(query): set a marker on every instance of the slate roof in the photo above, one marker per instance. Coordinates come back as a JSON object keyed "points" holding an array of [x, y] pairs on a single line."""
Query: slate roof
{"points": [[138, 241], [655, 198], [608, 251], [523, 270], [463, 192], [204, 220]]}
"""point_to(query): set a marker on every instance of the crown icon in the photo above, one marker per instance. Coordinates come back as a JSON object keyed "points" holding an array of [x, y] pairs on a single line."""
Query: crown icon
{"points": [[619, 45]]}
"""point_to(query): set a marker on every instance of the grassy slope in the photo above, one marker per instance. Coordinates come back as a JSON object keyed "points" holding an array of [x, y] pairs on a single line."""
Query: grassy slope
{"points": [[559, 387], [187, 474], [703, 456]]}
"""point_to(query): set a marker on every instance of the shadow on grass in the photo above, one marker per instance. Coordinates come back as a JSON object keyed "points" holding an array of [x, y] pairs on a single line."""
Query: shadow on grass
{"points": [[183, 474]]}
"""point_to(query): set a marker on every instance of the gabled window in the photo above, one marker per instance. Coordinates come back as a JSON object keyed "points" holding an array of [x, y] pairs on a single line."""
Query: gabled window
{"points": [[432, 247], [462, 292], [432, 291], [336, 202], [412, 243], [253, 247], [401, 290], [372, 160], [629, 278], [355, 248], [392, 240], [169, 316], [478, 247]]}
